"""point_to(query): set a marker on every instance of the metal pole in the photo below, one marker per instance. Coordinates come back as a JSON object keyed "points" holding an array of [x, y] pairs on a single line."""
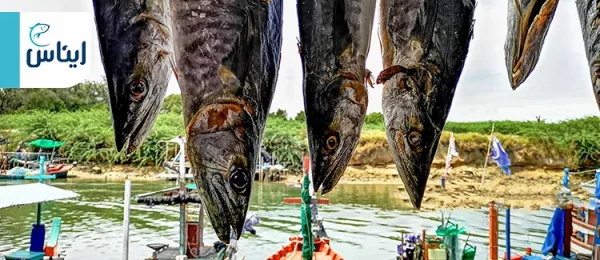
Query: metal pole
{"points": [[507, 232], [596, 248], [182, 240], [493, 237], [41, 180], [566, 178], [126, 208], [568, 231]]}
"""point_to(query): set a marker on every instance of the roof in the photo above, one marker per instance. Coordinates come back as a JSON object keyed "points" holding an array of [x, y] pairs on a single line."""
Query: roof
{"points": [[46, 143], [32, 193]]}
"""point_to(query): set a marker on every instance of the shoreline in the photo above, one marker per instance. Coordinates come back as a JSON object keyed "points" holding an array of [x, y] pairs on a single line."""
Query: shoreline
{"points": [[530, 189]]}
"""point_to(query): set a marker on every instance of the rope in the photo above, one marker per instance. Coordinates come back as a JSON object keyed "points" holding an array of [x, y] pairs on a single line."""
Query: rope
{"points": [[582, 172], [308, 246], [228, 251]]}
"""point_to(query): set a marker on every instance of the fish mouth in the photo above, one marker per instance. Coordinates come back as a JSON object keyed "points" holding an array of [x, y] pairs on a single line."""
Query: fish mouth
{"points": [[226, 210], [329, 169], [132, 140], [334, 130], [413, 160], [412, 133], [528, 27], [132, 121], [222, 147]]}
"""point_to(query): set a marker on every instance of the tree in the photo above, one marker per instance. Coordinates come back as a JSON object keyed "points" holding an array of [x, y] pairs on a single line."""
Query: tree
{"points": [[301, 116], [82, 96], [280, 113], [374, 118], [172, 104]]}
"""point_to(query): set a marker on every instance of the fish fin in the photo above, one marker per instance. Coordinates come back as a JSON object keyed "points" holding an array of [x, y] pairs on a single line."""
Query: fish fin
{"points": [[163, 53], [389, 72], [162, 28], [369, 78]]}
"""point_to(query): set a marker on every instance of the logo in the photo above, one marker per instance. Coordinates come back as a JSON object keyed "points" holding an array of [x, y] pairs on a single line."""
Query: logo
{"points": [[46, 49], [36, 31], [62, 52]]}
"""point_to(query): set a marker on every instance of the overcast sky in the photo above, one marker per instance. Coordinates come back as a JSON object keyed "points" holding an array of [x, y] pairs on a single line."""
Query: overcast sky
{"points": [[559, 88]]}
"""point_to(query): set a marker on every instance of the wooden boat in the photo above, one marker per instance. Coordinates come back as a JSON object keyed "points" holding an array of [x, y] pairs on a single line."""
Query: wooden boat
{"points": [[584, 222], [293, 250]]}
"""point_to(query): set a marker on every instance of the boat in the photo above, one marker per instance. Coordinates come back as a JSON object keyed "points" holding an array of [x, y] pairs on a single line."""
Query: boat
{"points": [[293, 250], [25, 164], [60, 171], [37, 193]]}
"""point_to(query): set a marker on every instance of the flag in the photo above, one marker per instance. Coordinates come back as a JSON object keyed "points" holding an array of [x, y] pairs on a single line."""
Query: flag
{"points": [[499, 155], [451, 153]]}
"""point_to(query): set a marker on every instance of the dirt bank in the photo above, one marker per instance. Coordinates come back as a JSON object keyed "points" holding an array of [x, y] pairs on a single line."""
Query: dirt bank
{"points": [[373, 150], [530, 189]]}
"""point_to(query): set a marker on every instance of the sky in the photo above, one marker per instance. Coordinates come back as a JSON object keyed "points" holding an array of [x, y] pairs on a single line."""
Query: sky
{"points": [[559, 88]]}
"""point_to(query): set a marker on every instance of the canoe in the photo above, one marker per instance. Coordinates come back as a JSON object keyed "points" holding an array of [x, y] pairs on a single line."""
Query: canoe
{"points": [[298, 200], [293, 250]]}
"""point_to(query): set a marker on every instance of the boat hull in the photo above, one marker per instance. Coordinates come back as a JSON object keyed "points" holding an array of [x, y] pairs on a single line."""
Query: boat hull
{"points": [[293, 250], [60, 172], [584, 222]]}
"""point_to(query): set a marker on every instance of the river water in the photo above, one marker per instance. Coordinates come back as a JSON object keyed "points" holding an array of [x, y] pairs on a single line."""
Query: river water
{"points": [[364, 221]]}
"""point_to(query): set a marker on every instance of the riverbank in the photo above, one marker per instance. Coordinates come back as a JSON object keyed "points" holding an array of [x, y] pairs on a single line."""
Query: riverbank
{"points": [[525, 188]]}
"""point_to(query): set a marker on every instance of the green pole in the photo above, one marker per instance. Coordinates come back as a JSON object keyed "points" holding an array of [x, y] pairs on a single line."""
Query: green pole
{"points": [[41, 180], [308, 245]]}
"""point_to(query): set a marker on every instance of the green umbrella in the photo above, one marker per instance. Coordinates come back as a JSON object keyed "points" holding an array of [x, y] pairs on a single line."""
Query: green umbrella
{"points": [[46, 143]]}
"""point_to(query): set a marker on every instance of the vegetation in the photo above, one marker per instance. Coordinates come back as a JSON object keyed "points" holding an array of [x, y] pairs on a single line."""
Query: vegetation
{"points": [[80, 117]]}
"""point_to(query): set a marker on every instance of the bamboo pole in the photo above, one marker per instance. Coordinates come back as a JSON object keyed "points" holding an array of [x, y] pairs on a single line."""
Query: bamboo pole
{"points": [[487, 155]]}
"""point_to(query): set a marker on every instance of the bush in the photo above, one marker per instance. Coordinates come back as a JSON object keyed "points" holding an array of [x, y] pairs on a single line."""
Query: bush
{"points": [[89, 135]]}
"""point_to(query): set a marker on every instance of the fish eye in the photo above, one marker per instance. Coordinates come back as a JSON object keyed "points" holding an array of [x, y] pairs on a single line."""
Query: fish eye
{"points": [[237, 179], [138, 90], [414, 138], [332, 142]]}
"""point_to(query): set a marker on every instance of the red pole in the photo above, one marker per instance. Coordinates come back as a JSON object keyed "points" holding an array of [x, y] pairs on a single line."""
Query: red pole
{"points": [[493, 231], [568, 230]]}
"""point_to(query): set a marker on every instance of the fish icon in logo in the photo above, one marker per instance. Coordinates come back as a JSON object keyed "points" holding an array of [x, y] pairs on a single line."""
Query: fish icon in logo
{"points": [[36, 31]]}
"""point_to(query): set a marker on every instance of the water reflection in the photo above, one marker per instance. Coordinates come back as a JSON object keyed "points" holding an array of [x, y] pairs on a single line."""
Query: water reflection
{"points": [[364, 221]]}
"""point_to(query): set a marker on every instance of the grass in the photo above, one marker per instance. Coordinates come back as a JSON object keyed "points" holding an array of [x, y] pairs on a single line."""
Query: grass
{"points": [[89, 136]]}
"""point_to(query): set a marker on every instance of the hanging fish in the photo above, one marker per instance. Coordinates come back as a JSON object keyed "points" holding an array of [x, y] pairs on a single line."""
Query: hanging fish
{"points": [[334, 44], [228, 53], [425, 44], [528, 24], [590, 21], [136, 50]]}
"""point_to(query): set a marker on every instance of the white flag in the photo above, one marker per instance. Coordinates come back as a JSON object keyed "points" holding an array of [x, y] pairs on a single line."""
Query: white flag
{"points": [[451, 152]]}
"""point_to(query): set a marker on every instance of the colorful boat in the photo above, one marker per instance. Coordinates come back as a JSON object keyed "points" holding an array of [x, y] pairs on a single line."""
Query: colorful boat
{"points": [[18, 173], [293, 250]]}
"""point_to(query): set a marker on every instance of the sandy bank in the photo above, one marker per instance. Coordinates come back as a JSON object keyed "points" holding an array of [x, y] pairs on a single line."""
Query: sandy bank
{"points": [[529, 189]]}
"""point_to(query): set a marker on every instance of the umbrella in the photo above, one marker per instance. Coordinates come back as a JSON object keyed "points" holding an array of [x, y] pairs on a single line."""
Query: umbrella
{"points": [[46, 143], [32, 193]]}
